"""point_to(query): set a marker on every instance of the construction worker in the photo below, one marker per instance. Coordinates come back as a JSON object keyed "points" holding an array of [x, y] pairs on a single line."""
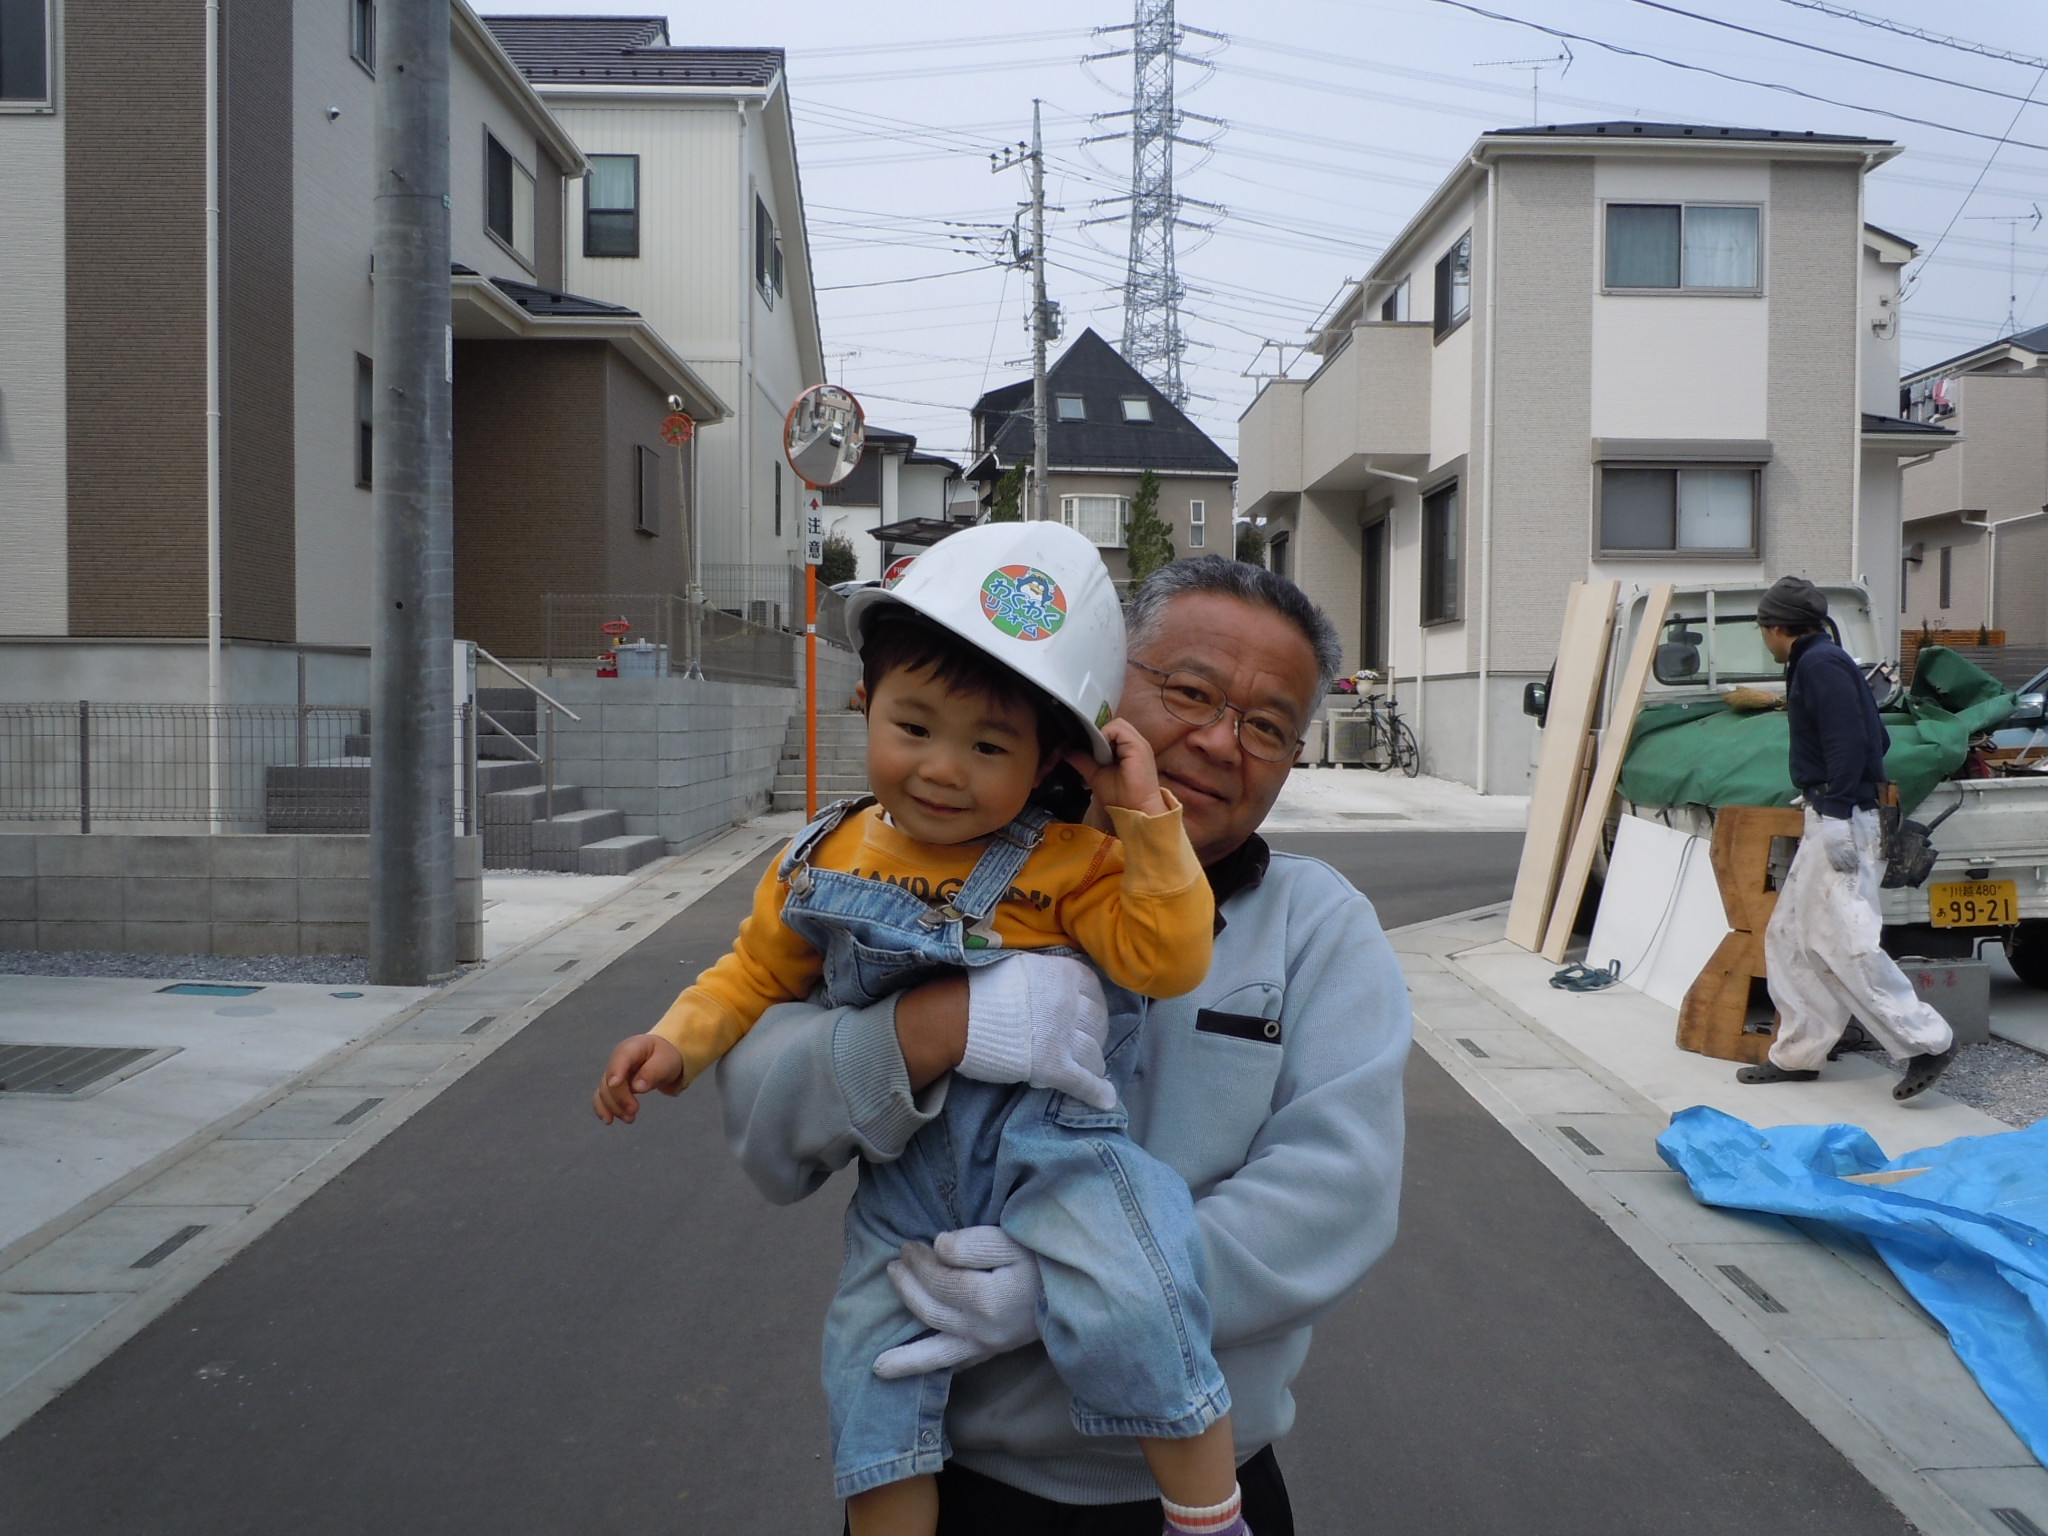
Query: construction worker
{"points": [[1822, 946]]}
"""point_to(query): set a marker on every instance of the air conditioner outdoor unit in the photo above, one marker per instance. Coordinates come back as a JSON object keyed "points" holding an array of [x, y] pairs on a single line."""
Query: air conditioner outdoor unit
{"points": [[1313, 744], [1350, 737], [764, 612]]}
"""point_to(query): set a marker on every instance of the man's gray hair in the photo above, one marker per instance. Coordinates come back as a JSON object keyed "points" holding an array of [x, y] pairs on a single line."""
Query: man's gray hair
{"points": [[1252, 584]]}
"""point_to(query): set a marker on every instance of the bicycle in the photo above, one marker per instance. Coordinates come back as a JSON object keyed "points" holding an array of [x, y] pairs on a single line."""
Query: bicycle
{"points": [[1389, 743]]}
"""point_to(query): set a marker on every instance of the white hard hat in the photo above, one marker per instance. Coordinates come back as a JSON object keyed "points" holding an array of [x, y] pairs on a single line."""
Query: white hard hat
{"points": [[1035, 596]]}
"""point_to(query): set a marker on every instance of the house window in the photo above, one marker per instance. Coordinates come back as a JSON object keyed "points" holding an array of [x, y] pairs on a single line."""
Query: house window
{"points": [[647, 505], [1695, 509], [1454, 285], [1278, 559], [1198, 524], [1440, 537], [1677, 247], [1098, 519], [362, 32], [611, 206], [508, 199], [862, 488], [1069, 408], [1948, 570], [1137, 408], [1394, 306], [366, 414], [24, 53], [767, 253]]}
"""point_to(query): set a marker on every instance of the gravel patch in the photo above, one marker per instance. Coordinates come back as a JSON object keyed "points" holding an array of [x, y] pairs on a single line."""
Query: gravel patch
{"points": [[2006, 1081], [321, 970]]}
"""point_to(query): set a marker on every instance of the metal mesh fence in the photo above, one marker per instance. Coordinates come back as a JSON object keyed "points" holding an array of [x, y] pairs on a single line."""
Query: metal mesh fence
{"points": [[666, 634], [243, 768]]}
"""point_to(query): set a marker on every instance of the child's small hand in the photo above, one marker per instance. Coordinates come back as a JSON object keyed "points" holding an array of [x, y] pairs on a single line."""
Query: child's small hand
{"points": [[1131, 782], [640, 1064]]}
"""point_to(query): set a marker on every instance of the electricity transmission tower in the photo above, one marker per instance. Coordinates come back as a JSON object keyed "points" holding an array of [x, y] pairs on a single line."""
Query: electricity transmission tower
{"points": [[1152, 341]]}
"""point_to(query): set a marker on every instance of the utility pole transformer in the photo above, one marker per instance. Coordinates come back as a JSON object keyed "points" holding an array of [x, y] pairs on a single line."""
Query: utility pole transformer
{"points": [[1152, 342], [412, 720]]}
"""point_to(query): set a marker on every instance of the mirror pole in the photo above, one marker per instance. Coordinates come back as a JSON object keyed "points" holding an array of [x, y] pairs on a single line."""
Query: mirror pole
{"points": [[810, 687]]}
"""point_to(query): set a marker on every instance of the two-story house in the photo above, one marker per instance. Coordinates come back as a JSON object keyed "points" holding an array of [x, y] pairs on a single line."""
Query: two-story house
{"points": [[186, 388], [1976, 518], [1108, 425], [893, 502], [1639, 351], [692, 215]]}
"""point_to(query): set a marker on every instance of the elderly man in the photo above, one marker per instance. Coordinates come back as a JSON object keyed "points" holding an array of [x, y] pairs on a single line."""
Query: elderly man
{"points": [[1274, 1089]]}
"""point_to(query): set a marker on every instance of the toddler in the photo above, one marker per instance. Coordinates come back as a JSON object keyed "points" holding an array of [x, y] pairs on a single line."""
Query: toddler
{"points": [[997, 657]]}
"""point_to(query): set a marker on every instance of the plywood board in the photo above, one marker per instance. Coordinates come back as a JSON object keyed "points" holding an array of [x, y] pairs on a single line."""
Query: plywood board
{"points": [[1614, 744], [1553, 800], [1660, 910]]}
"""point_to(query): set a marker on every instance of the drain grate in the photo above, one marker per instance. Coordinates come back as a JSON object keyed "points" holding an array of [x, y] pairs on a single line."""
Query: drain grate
{"points": [[1756, 1293], [358, 1112], [167, 1247], [61, 1070], [1579, 1139], [208, 989], [482, 1024], [2018, 1523], [1472, 1046], [566, 965]]}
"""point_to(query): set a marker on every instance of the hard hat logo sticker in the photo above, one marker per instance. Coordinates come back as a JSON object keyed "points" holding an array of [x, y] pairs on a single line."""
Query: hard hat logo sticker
{"points": [[1024, 602]]}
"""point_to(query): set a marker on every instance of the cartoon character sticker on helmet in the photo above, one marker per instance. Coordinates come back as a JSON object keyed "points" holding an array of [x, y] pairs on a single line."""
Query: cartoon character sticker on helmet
{"points": [[1023, 602]]}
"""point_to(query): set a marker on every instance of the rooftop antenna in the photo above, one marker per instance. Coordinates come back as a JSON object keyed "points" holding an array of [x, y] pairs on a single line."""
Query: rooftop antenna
{"points": [[1561, 62], [2012, 222]]}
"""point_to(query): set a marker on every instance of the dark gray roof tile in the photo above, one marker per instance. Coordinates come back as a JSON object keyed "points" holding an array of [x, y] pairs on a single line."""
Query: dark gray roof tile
{"points": [[632, 50], [1097, 372]]}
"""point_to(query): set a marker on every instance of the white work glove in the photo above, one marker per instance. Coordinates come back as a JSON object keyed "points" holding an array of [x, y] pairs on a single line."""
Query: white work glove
{"points": [[1838, 842], [978, 1287], [1038, 1019]]}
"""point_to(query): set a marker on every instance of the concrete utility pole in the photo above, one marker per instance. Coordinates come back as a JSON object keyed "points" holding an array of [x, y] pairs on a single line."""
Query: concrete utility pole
{"points": [[1045, 315], [412, 721], [1041, 326]]}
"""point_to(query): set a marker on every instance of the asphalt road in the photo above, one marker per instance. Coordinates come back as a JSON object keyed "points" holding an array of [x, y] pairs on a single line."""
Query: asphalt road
{"points": [[508, 1319]]}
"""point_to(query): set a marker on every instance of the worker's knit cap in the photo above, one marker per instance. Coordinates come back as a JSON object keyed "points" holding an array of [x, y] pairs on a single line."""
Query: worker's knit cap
{"points": [[1792, 603]]}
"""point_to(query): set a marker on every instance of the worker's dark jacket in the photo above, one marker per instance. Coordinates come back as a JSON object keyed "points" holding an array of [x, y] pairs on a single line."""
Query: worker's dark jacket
{"points": [[1838, 741]]}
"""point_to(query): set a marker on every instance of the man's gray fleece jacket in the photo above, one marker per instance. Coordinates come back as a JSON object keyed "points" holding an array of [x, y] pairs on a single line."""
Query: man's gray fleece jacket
{"points": [[1290, 1139]]}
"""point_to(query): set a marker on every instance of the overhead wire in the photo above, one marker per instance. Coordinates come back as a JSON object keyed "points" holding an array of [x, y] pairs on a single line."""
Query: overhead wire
{"points": [[1907, 288], [1886, 24], [1768, 85]]}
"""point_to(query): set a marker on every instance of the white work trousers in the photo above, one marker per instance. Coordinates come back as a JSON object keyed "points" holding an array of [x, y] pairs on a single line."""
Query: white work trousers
{"points": [[1826, 964]]}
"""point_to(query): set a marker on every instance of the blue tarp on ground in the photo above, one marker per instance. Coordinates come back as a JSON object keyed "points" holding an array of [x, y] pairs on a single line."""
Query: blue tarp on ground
{"points": [[1968, 1238]]}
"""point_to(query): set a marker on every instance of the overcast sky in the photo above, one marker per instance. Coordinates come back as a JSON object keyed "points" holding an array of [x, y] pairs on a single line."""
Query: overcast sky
{"points": [[1341, 116]]}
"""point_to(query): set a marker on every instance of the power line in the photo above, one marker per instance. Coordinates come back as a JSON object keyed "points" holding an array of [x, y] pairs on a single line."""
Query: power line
{"points": [[1833, 53], [1906, 290], [1885, 24], [1768, 85], [890, 282]]}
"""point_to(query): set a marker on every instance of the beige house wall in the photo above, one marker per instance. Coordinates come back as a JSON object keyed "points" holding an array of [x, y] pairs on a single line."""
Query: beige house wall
{"points": [[1175, 492]]}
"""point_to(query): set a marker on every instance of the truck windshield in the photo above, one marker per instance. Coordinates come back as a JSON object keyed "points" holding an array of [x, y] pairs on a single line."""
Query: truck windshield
{"points": [[1687, 657]]}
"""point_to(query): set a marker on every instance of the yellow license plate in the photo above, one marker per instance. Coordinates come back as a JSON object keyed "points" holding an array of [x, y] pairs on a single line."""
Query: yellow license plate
{"points": [[1974, 904]]}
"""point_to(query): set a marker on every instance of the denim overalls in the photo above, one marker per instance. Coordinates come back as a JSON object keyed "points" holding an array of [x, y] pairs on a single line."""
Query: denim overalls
{"points": [[1124, 1319]]}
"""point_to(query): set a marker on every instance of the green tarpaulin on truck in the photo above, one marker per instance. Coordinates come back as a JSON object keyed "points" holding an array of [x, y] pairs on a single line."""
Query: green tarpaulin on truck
{"points": [[1704, 753]]}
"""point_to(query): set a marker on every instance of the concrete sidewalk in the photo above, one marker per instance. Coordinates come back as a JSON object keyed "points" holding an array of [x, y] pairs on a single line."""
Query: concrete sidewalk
{"points": [[1587, 1081], [1360, 800], [115, 1202]]}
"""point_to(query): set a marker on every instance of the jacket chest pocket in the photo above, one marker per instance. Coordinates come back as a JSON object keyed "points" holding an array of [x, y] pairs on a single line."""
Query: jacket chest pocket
{"points": [[1218, 1066]]}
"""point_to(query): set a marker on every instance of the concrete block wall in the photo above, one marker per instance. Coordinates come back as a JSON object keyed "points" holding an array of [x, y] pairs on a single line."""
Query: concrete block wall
{"points": [[683, 758], [227, 895]]}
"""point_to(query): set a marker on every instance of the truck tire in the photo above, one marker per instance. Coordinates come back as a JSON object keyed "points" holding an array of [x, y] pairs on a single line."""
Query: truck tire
{"points": [[2027, 953]]}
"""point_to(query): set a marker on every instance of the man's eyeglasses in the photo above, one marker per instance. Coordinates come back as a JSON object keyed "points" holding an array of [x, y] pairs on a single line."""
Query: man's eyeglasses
{"points": [[1197, 701]]}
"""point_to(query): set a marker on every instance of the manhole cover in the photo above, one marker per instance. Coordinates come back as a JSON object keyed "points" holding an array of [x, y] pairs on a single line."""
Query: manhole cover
{"points": [[68, 1070]]}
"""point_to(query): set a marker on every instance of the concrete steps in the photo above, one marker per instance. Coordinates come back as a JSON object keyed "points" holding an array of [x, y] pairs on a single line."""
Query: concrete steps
{"points": [[558, 844], [842, 760], [619, 855]]}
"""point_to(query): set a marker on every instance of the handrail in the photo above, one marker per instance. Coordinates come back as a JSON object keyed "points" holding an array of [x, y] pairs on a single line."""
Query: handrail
{"points": [[506, 731], [529, 686]]}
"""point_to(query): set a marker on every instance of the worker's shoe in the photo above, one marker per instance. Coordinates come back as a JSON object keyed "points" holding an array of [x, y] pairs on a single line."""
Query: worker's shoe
{"points": [[1771, 1072], [1921, 1072]]}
